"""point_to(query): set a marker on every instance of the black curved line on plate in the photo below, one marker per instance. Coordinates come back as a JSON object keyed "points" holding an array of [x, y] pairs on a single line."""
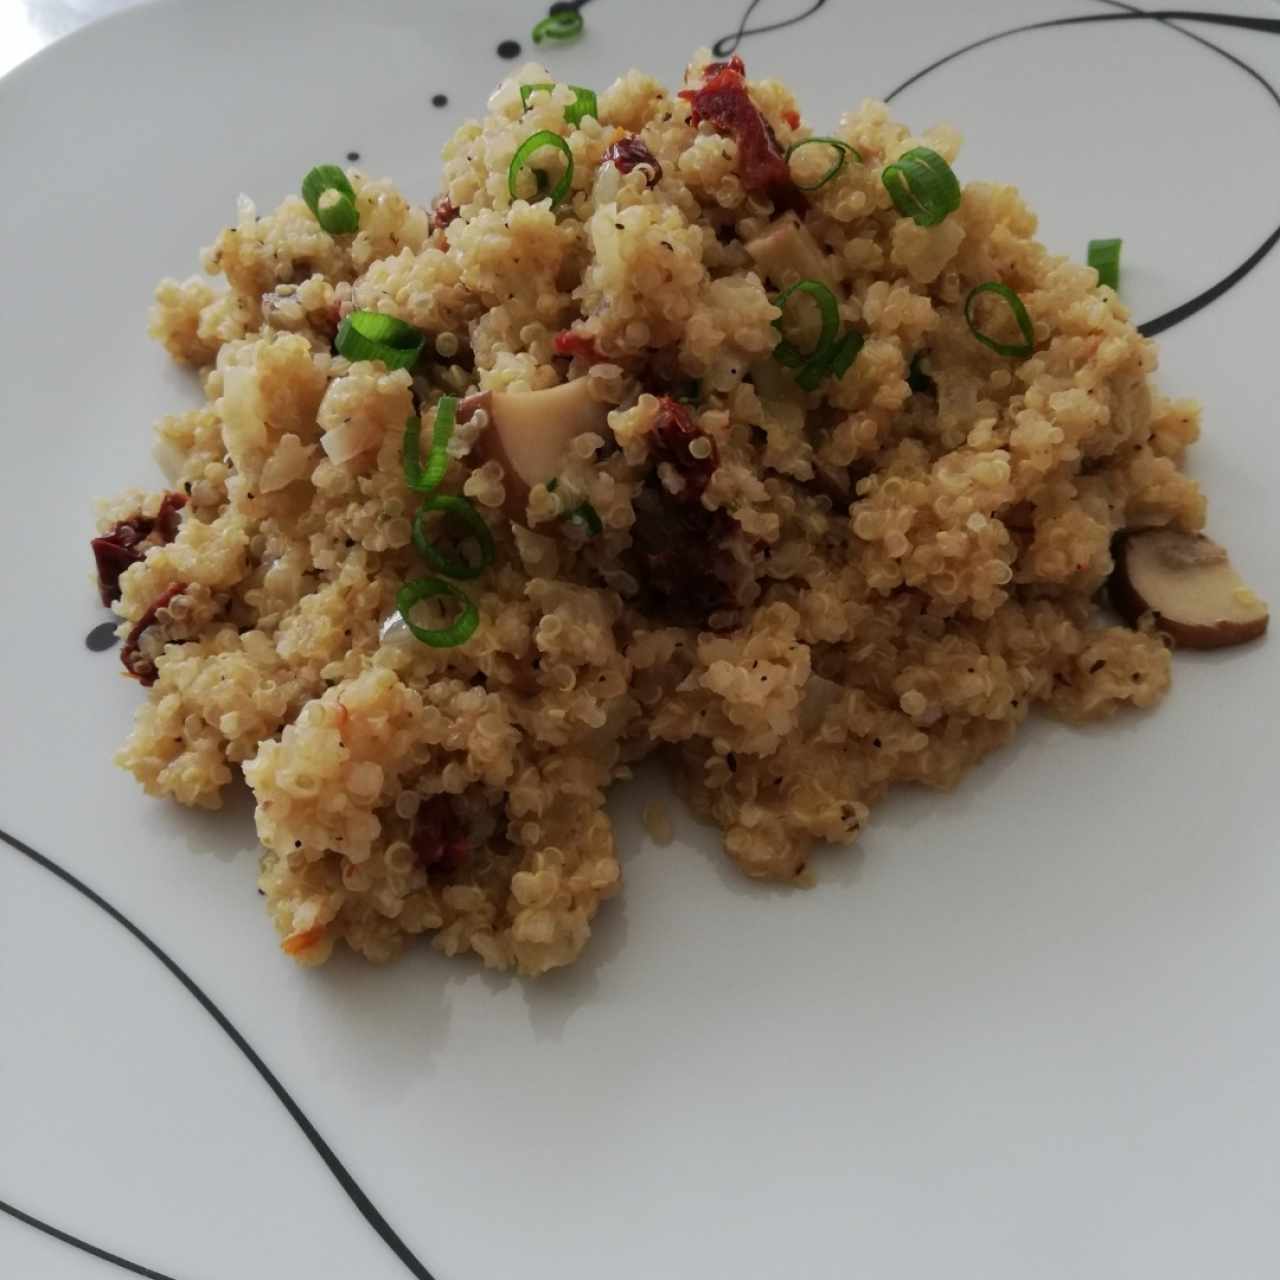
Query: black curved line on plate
{"points": [[83, 1245], [728, 44], [335, 1166], [1167, 17]]}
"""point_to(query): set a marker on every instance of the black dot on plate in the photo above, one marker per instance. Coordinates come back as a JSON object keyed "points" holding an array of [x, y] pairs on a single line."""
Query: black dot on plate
{"points": [[102, 637], [353, 155], [509, 49], [440, 100]]}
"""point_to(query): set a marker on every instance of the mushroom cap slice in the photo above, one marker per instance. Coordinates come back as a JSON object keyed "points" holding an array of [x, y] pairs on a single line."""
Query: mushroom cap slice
{"points": [[529, 431], [1188, 583], [786, 252], [817, 699]]}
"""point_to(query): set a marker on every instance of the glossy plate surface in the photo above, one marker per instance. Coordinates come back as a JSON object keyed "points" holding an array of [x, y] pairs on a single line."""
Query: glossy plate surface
{"points": [[1028, 1029]]}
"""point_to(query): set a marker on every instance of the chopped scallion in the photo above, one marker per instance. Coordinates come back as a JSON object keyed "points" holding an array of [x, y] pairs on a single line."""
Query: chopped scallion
{"points": [[420, 589], [845, 354], [423, 479], [842, 149], [461, 509], [1104, 258], [588, 517], [1014, 303], [336, 218], [563, 24], [584, 101], [919, 381], [922, 186], [787, 353], [371, 335], [535, 142]]}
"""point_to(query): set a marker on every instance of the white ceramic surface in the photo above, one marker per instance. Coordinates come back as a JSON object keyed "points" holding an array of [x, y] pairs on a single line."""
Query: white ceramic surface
{"points": [[1029, 1029]]}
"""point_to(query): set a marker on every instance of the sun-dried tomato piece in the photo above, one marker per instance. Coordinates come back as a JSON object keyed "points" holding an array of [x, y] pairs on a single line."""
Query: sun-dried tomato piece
{"points": [[438, 838], [675, 548], [443, 212], [723, 101], [628, 152], [673, 433], [143, 669], [569, 343], [115, 551]]}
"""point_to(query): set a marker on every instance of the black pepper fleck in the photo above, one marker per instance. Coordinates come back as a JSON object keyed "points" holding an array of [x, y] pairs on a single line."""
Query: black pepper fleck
{"points": [[353, 156], [440, 100], [509, 49]]}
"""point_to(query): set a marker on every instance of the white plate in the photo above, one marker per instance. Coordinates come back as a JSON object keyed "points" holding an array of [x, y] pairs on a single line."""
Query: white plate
{"points": [[1027, 1029]]}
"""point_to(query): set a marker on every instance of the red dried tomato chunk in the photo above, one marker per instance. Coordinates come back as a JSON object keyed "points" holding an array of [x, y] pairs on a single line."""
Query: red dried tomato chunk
{"points": [[143, 669], [443, 212], [628, 152], [673, 433], [115, 551], [438, 839], [723, 101], [569, 343]]}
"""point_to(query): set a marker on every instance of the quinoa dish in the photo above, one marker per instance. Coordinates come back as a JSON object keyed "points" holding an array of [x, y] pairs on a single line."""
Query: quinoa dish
{"points": [[671, 426]]}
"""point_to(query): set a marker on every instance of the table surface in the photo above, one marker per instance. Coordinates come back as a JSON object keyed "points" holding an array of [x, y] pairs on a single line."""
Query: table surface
{"points": [[27, 26]]}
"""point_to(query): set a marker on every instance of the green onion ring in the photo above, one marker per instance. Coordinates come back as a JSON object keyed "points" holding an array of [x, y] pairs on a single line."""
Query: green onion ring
{"points": [[338, 218], [535, 142], [843, 152], [584, 101], [786, 353], [453, 566], [424, 479], [564, 24], [421, 589], [1104, 258], [528, 90], [1017, 349], [588, 517], [845, 354], [922, 186], [372, 335], [919, 381]]}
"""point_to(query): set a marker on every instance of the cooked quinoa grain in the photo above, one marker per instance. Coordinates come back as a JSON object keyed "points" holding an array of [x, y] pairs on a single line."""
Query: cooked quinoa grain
{"points": [[799, 596]]}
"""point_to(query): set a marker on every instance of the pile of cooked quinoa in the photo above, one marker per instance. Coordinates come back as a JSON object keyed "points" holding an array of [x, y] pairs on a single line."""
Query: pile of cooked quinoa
{"points": [[802, 561]]}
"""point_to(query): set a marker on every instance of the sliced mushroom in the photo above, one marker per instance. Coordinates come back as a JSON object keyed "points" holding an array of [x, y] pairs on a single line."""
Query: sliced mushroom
{"points": [[819, 694], [529, 431], [787, 252], [1187, 582]]}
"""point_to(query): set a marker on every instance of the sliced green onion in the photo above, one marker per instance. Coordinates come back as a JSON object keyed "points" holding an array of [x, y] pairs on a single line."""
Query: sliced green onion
{"points": [[584, 101], [845, 354], [787, 353], [564, 24], [832, 363], [339, 217], [919, 381], [371, 335], [420, 589], [528, 90], [588, 517], [1104, 258], [461, 509], [843, 152], [423, 479], [922, 186], [1018, 349], [584, 104], [535, 142]]}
